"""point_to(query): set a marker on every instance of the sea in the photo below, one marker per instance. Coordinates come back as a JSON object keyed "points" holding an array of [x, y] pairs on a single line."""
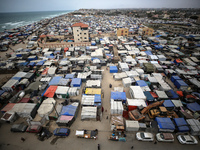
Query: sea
{"points": [[12, 20]]}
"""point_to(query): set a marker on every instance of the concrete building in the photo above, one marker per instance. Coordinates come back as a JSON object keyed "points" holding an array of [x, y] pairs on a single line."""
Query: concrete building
{"points": [[80, 32], [122, 32], [146, 31]]}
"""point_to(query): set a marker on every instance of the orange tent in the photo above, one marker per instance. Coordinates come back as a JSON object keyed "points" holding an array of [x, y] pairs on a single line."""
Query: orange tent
{"points": [[50, 91]]}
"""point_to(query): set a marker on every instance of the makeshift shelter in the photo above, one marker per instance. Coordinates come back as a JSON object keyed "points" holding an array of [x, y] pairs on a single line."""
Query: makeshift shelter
{"points": [[10, 85], [76, 82], [165, 124], [93, 91], [135, 103], [132, 125], [194, 107], [136, 92], [61, 91], [148, 95], [117, 122], [181, 125], [118, 96], [50, 91], [55, 80], [194, 126], [116, 107], [69, 76], [89, 113], [168, 104], [113, 69]]}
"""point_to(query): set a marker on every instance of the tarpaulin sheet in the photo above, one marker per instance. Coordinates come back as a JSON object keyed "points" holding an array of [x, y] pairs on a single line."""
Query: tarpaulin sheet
{"points": [[141, 83], [181, 124], [32, 58], [69, 76], [148, 96], [63, 81], [31, 64], [118, 95], [113, 69], [173, 78], [68, 110], [172, 94], [168, 103], [16, 78], [50, 91], [55, 80], [40, 63], [93, 91], [180, 83], [158, 47], [165, 123], [148, 52], [76, 82], [97, 98], [1, 92], [193, 106], [66, 118]]}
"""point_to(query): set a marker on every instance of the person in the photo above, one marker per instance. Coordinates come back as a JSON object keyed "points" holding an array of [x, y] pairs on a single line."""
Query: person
{"points": [[110, 85], [131, 147], [98, 146], [22, 139], [155, 142], [102, 109]]}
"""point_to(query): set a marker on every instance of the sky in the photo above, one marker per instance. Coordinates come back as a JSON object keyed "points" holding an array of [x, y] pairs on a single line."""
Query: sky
{"points": [[52, 5]]}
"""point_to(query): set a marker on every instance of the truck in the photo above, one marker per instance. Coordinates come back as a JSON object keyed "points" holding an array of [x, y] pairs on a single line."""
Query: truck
{"points": [[87, 134]]}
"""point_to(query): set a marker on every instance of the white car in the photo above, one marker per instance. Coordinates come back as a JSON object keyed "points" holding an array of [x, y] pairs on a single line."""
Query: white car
{"points": [[187, 139], [165, 137], [144, 136]]}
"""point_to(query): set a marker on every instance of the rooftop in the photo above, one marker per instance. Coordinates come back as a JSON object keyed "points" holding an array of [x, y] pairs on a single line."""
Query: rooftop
{"points": [[82, 25]]}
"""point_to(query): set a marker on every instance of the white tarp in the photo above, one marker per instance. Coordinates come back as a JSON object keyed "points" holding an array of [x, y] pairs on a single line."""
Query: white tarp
{"points": [[132, 125], [93, 83], [127, 82], [87, 100], [46, 107], [136, 102], [88, 113], [8, 86], [136, 92]]}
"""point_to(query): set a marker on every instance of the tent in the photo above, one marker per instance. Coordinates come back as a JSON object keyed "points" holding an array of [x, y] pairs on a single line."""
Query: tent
{"points": [[181, 124], [69, 76], [119, 96], [113, 69], [168, 104], [33, 87], [193, 107], [61, 91], [172, 94], [148, 95], [46, 107], [55, 80], [165, 124], [76, 82], [50, 91], [93, 91], [69, 110]]}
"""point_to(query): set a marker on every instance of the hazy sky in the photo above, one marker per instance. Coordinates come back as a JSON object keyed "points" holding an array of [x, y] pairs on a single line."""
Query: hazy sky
{"points": [[45, 5]]}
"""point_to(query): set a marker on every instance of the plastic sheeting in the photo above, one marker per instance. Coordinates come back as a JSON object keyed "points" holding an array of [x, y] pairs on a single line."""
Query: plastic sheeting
{"points": [[50, 91], [118, 95], [68, 110], [55, 80], [171, 94], [113, 69], [76, 82], [93, 91], [46, 107], [88, 113], [168, 103], [69, 76], [193, 106], [141, 83], [148, 95], [136, 92], [165, 124], [97, 98], [181, 124]]}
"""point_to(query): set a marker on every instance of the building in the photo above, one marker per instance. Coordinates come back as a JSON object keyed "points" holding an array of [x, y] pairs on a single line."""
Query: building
{"points": [[146, 31], [122, 32], [80, 32]]}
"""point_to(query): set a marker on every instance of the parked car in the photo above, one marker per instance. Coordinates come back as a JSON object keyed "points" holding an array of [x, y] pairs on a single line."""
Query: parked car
{"points": [[61, 132], [187, 139], [144, 136], [34, 129], [165, 137], [18, 128]]}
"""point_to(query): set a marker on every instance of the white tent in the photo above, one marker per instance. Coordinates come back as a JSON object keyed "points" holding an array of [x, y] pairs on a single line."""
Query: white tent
{"points": [[89, 113]]}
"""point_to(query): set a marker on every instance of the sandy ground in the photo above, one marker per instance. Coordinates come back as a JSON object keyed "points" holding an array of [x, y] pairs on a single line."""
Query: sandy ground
{"points": [[11, 141]]}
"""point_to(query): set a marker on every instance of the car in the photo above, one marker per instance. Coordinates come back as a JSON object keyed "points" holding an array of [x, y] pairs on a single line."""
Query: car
{"points": [[34, 129], [18, 128], [187, 139], [144, 136], [61, 132], [165, 137]]}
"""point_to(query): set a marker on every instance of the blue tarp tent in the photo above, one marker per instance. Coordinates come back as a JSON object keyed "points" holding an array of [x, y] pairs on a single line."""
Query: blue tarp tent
{"points": [[181, 124], [193, 106], [76, 82], [148, 96], [165, 124], [180, 83], [55, 80], [172, 95], [32, 58], [69, 76], [148, 53], [141, 83], [31, 64], [174, 78], [113, 69], [23, 64], [97, 98], [1, 92], [16, 78], [68, 110], [40, 63], [158, 47], [118, 96], [168, 104]]}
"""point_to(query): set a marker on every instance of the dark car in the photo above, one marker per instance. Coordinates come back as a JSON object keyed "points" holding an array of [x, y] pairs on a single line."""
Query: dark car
{"points": [[18, 128], [34, 129], [61, 132]]}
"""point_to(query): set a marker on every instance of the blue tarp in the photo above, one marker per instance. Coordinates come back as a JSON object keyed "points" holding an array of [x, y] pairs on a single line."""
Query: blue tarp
{"points": [[174, 78], [30, 59], [158, 47], [76, 82], [174, 95], [68, 110], [31, 64], [97, 98], [94, 58], [168, 103], [148, 96], [181, 124], [118, 95], [23, 64], [40, 63], [148, 53], [193, 106], [141, 83], [109, 55], [113, 69], [1, 92], [69, 76], [180, 83], [16, 78], [165, 123], [55, 80]]}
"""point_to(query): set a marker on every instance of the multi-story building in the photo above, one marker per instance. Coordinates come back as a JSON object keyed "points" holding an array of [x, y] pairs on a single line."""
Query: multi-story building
{"points": [[146, 31], [122, 32], [80, 32]]}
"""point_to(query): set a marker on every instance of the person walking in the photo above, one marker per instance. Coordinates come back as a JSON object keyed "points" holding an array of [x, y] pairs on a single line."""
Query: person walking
{"points": [[98, 146], [131, 147], [22, 139]]}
